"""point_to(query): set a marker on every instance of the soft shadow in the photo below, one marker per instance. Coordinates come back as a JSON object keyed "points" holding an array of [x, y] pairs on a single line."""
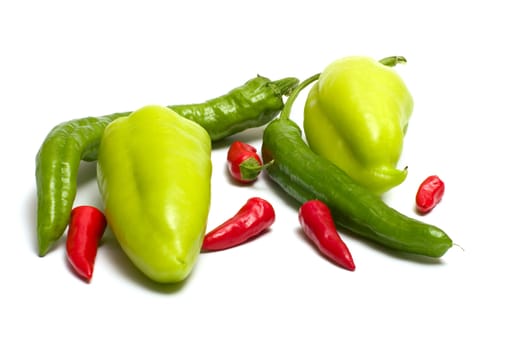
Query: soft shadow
{"points": [[86, 173], [126, 268], [31, 219], [251, 135], [279, 192]]}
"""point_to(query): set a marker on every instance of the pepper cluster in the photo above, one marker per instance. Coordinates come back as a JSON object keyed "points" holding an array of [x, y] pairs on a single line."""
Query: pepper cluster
{"points": [[154, 172], [253, 104]]}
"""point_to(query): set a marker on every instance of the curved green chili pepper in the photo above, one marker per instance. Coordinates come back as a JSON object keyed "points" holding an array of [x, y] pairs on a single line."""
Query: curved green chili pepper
{"points": [[305, 176], [253, 104]]}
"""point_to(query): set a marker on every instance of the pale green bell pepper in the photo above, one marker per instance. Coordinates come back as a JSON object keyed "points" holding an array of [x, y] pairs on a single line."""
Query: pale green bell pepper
{"points": [[356, 116], [154, 173]]}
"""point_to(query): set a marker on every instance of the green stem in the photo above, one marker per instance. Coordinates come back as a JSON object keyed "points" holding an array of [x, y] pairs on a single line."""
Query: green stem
{"points": [[291, 98], [285, 86], [392, 61]]}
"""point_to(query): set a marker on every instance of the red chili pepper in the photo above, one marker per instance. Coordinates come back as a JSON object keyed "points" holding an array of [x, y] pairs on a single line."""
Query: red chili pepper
{"points": [[252, 219], [87, 225], [318, 225], [244, 162], [429, 194]]}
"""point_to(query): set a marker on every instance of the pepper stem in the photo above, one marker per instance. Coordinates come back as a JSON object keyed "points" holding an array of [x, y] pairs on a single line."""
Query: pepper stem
{"points": [[291, 98], [285, 86], [392, 61]]}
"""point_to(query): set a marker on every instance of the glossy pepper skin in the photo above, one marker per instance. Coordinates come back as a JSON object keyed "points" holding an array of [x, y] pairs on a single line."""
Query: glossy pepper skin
{"points": [[429, 194], [243, 162], [57, 162], [87, 226], [318, 225], [154, 171], [253, 219], [356, 116]]}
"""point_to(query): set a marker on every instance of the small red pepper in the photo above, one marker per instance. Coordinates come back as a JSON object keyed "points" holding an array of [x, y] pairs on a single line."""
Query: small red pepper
{"points": [[318, 225], [244, 162], [252, 219], [87, 225], [429, 194]]}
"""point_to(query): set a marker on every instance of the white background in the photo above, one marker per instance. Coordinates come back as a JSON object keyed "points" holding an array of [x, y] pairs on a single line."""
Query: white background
{"points": [[468, 71]]}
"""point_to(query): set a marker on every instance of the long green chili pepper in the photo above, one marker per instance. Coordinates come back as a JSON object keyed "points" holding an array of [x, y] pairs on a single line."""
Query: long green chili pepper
{"points": [[253, 104], [306, 176]]}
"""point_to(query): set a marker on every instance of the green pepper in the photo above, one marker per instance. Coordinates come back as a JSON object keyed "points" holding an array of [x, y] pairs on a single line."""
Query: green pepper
{"points": [[154, 171], [356, 116]]}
